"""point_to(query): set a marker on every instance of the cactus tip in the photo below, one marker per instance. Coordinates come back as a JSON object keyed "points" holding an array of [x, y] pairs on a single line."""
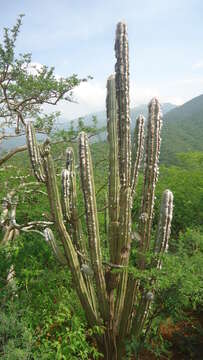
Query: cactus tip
{"points": [[121, 28], [154, 101], [111, 77]]}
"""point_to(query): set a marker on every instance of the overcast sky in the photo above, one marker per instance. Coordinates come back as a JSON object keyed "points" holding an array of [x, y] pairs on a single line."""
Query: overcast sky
{"points": [[77, 36]]}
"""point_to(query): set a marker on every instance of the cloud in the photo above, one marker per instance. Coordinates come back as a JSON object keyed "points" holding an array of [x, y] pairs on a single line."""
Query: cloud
{"points": [[181, 90], [91, 94], [91, 97], [34, 68], [142, 95], [88, 96], [198, 65], [174, 100], [191, 81]]}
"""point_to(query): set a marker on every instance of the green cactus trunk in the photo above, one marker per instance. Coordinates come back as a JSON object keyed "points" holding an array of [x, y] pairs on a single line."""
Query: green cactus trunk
{"points": [[108, 297]]}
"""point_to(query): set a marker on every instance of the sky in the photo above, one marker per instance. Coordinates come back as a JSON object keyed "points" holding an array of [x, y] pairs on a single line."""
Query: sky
{"points": [[77, 36]]}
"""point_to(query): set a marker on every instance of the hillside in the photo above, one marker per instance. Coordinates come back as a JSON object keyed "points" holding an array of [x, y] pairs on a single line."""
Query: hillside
{"points": [[101, 117], [183, 129], [135, 112]]}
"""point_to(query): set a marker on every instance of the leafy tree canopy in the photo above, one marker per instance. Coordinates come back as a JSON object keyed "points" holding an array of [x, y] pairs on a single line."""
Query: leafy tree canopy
{"points": [[25, 87]]}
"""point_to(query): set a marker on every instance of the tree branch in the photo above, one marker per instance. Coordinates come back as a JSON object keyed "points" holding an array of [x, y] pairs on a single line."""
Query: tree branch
{"points": [[11, 153]]}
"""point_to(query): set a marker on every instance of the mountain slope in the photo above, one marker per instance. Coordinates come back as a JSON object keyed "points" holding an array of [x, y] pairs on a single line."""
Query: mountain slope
{"points": [[101, 117], [143, 109], [183, 130], [135, 112]]}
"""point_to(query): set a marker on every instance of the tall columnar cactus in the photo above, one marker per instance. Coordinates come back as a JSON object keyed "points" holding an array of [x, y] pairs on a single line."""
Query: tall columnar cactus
{"points": [[109, 297]]}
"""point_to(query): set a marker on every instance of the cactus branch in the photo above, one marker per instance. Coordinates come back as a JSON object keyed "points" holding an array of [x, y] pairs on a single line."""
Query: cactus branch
{"points": [[124, 155], [88, 188], [122, 94], [164, 227], [150, 174], [114, 183], [69, 251], [69, 199], [66, 193], [150, 179], [161, 245], [138, 150], [34, 152]]}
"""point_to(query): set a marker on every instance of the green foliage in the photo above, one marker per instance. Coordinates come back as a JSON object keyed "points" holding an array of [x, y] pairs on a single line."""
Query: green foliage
{"points": [[71, 134], [15, 337], [177, 304], [186, 183], [55, 310], [190, 161], [187, 186], [64, 337], [26, 87], [178, 300], [52, 324], [188, 243], [182, 130]]}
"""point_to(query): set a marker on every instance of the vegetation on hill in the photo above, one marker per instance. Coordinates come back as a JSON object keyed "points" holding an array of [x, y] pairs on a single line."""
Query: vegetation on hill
{"points": [[41, 316], [46, 321], [182, 127], [183, 130]]}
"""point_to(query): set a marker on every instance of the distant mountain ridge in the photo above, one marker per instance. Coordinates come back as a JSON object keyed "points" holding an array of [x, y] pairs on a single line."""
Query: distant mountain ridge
{"points": [[135, 112], [182, 127], [101, 117]]}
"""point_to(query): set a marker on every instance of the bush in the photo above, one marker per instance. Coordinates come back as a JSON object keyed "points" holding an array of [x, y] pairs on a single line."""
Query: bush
{"points": [[53, 325], [15, 338], [176, 312]]}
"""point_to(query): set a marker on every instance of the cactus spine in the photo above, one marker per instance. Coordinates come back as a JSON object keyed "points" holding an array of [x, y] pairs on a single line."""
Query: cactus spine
{"points": [[107, 297]]}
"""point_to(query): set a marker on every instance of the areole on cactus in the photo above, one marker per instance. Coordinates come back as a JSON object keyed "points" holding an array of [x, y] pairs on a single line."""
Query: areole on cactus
{"points": [[107, 297]]}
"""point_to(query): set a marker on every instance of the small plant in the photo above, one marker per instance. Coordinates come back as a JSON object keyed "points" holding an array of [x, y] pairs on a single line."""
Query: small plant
{"points": [[15, 338]]}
